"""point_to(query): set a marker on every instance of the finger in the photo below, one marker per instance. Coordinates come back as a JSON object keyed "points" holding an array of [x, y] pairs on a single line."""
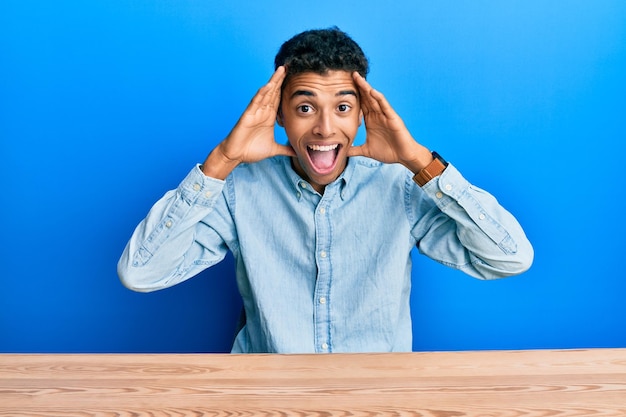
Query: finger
{"points": [[278, 78], [382, 103], [368, 94], [278, 75], [361, 82], [364, 88], [275, 83], [270, 92], [375, 100]]}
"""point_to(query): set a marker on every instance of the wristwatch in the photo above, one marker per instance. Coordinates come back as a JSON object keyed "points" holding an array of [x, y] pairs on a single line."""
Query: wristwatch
{"points": [[430, 171]]}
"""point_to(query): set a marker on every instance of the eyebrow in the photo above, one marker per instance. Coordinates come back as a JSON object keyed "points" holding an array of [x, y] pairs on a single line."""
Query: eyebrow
{"points": [[311, 94]]}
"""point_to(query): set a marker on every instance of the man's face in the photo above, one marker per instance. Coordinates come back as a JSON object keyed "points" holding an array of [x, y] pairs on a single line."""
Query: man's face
{"points": [[321, 116]]}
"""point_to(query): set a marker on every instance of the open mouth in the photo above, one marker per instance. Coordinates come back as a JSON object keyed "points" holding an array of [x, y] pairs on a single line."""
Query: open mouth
{"points": [[323, 157]]}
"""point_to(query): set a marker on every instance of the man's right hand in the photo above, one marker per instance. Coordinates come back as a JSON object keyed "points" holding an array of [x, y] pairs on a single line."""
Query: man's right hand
{"points": [[252, 138]]}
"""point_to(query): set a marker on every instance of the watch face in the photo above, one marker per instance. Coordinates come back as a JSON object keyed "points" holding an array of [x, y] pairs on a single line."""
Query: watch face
{"points": [[437, 156]]}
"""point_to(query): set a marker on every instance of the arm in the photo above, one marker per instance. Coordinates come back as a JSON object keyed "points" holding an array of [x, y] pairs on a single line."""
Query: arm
{"points": [[176, 241], [467, 229], [184, 232], [252, 138]]}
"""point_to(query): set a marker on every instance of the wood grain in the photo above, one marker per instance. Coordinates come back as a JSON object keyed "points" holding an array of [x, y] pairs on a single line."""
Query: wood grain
{"points": [[538, 383]]}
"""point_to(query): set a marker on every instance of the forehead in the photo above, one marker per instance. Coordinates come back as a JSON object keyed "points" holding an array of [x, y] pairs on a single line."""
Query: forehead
{"points": [[330, 83]]}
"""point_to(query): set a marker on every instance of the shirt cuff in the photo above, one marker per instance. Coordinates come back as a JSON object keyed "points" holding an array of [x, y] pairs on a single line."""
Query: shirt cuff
{"points": [[199, 189], [447, 187]]}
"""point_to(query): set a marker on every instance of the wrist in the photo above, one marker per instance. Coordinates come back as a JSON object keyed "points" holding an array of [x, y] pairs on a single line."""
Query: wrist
{"points": [[430, 171], [420, 158], [217, 165]]}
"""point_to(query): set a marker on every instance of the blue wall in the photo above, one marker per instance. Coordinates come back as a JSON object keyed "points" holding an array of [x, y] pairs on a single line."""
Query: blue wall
{"points": [[105, 105]]}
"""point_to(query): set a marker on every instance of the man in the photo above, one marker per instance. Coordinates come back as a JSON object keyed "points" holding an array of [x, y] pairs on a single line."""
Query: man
{"points": [[321, 230]]}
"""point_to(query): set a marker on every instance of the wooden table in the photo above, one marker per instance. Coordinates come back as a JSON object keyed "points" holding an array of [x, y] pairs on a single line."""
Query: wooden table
{"points": [[583, 383]]}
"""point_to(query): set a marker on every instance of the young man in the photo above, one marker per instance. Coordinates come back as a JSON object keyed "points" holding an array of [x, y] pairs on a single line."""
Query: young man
{"points": [[322, 231]]}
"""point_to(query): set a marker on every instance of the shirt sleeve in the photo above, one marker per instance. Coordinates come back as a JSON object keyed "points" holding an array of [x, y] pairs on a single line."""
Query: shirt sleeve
{"points": [[175, 241], [464, 227]]}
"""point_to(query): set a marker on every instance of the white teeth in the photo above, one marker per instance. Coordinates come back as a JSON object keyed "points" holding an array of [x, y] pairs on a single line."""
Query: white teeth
{"points": [[323, 148]]}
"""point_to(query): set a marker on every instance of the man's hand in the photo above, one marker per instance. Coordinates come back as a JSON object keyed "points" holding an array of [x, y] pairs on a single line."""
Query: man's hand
{"points": [[387, 138], [252, 138]]}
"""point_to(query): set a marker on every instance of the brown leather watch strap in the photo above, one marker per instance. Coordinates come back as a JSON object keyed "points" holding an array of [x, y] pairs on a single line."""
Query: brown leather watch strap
{"points": [[430, 171]]}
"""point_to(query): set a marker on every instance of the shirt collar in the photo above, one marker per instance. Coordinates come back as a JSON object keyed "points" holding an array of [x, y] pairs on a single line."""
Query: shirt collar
{"points": [[346, 176], [296, 180]]}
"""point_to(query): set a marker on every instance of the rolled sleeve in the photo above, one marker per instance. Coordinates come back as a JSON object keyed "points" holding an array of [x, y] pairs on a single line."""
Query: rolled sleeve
{"points": [[169, 229], [199, 189], [477, 214]]}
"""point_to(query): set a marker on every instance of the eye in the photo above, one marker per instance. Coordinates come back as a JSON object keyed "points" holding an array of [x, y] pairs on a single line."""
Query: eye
{"points": [[305, 108], [343, 108]]}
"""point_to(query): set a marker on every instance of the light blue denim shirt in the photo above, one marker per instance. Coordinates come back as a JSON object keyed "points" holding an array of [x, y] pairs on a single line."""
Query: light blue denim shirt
{"points": [[323, 273]]}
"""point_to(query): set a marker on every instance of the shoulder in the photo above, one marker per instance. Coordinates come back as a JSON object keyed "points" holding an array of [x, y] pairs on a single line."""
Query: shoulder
{"points": [[270, 172], [253, 170], [376, 170]]}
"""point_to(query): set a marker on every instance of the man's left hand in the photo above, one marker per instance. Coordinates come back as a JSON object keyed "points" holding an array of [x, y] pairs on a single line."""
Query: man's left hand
{"points": [[387, 138]]}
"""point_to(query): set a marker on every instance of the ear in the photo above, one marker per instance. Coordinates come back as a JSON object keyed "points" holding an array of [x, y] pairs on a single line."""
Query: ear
{"points": [[360, 117], [279, 118]]}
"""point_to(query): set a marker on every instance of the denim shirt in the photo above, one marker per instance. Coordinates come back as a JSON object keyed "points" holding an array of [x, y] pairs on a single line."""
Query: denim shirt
{"points": [[323, 273]]}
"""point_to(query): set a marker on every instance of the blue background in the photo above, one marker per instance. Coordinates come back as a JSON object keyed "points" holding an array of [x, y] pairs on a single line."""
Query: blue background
{"points": [[105, 105]]}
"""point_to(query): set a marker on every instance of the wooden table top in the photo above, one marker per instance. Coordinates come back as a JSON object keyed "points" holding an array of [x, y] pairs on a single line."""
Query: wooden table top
{"points": [[541, 383]]}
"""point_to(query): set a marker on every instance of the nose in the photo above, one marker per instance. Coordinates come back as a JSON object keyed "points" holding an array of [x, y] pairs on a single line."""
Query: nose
{"points": [[324, 125]]}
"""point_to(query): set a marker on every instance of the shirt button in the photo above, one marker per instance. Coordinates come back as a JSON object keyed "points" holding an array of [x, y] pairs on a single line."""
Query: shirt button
{"points": [[439, 194], [325, 346], [481, 217], [196, 187], [168, 223], [207, 194], [448, 187], [303, 184], [323, 254], [322, 300], [322, 210]]}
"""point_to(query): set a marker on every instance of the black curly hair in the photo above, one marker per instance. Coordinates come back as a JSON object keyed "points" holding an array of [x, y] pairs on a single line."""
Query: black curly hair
{"points": [[321, 50]]}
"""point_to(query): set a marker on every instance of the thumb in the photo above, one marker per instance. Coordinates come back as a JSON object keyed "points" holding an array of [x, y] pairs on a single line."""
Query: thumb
{"points": [[285, 150], [357, 151]]}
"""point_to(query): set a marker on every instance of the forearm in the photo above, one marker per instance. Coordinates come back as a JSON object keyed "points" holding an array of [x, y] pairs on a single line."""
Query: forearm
{"points": [[217, 164], [416, 156], [163, 248], [472, 231]]}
